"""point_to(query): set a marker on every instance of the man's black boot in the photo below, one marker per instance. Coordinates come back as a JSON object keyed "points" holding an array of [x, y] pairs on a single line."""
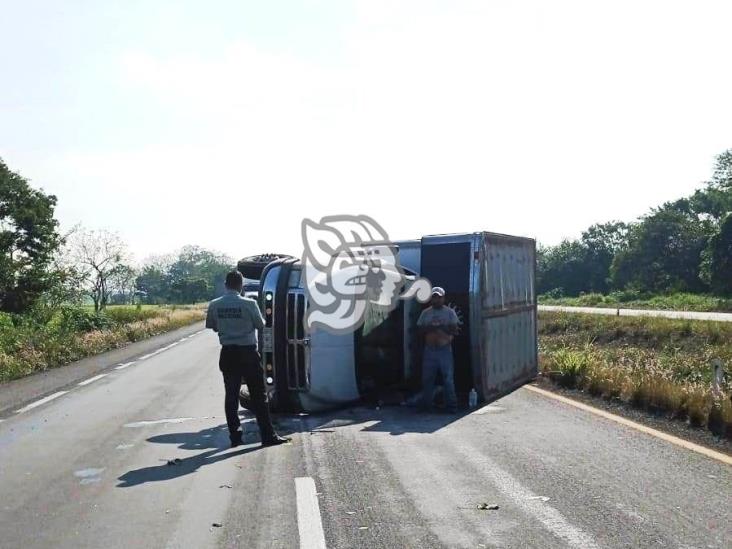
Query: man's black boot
{"points": [[275, 440], [236, 439]]}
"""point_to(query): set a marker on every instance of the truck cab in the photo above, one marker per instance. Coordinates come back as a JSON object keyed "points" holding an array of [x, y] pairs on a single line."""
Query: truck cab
{"points": [[317, 370]]}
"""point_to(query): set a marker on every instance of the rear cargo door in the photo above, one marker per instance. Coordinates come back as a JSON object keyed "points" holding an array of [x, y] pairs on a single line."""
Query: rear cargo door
{"points": [[508, 313]]}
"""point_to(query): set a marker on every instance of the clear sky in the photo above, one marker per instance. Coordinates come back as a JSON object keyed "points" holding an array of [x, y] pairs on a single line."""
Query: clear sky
{"points": [[224, 123]]}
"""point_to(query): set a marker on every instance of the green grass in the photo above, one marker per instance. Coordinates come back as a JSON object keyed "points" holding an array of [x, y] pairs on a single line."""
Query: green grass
{"points": [[631, 300], [661, 365], [29, 344]]}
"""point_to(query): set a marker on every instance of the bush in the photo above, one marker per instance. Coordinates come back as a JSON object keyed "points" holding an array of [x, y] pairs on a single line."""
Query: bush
{"points": [[625, 296], [80, 319], [554, 293], [125, 314], [6, 321]]}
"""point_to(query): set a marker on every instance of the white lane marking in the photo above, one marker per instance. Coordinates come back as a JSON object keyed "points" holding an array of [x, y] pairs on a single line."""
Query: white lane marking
{"points": [[40, 402], [724, 458], [92, 380], [145, 357], [309, 523], [89, 476], [158, 351], [157, 421], [125, 365]]}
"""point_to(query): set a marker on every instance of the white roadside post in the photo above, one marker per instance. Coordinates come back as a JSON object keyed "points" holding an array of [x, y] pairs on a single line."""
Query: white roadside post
{"points": [[717, 376]]}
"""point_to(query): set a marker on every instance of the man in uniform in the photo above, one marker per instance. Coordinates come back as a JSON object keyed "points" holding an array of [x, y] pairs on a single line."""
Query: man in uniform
{"points": [[235, 318], [438, 324]]}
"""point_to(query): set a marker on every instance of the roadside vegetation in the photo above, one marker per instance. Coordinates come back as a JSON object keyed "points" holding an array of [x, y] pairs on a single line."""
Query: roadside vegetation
{"points": [[677, 256], [635, 300], [64, 297], [659, 365], [32, 343]]}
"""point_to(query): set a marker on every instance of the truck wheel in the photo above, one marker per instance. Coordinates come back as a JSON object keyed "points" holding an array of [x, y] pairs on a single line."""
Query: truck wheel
{"points": [[252, 266]]}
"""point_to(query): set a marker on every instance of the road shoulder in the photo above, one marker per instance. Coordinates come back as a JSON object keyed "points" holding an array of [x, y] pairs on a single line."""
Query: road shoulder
{"points": [[18, 392], [662, 423]]}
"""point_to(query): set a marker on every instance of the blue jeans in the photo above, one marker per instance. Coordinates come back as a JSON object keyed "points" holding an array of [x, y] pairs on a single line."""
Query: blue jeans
{"points": [[438, 359]]}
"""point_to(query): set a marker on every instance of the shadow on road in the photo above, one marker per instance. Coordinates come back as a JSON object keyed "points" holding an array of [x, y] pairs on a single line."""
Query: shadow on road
{"points": [[214, 438], [396, 420]]}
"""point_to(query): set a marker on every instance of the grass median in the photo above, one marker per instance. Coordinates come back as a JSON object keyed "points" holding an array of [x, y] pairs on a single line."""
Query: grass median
{"points": [[33, 343], [633, 300], [656, 364]]}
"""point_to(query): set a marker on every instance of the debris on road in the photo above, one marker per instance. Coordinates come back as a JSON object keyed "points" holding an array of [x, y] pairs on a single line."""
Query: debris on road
{"points": [[176, 461], [488, 507], [225, 486], [216, 524]]}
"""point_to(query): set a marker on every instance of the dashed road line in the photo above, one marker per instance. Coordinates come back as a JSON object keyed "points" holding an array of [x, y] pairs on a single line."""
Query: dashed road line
{"points": [[91, 380], [41, 402], [309, 523], [150, 355], [719, 456]]}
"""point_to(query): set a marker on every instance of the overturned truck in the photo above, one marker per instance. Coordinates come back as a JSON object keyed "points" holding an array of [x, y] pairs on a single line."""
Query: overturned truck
{"points": [[490, 282]]}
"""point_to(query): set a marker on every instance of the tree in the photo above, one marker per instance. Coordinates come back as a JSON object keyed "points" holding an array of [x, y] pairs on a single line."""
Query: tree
{"points": [[98, 256], [563, 268], [194, 274], [122, 283], [190, 290], [602, 242], [153, 281], [719, 258], [715, 200], [28, 240], [194, 262], [663, 252]]}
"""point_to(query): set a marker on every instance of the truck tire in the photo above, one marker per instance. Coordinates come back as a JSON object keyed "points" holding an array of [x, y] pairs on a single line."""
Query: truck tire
{"points": [[252, 266]]}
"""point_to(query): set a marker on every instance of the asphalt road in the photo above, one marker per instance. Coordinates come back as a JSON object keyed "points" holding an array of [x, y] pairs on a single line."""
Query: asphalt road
{"points": [[688, 315], [89, 468]]}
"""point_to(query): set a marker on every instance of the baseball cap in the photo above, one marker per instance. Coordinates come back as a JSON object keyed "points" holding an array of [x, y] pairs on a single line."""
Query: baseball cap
{"points": [[438, 291]]}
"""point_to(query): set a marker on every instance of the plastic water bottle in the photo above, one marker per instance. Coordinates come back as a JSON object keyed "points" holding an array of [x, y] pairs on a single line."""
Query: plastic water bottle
{"points": [[473, 398]]}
